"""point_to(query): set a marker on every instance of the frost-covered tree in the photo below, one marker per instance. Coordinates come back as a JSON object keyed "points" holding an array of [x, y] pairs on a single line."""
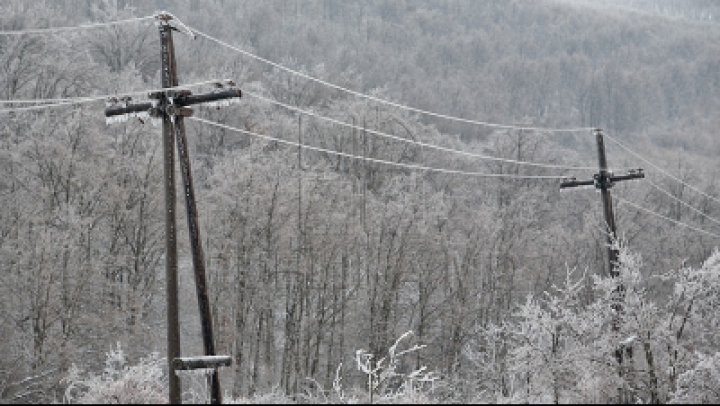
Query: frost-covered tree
{"points": [[559, 350]]}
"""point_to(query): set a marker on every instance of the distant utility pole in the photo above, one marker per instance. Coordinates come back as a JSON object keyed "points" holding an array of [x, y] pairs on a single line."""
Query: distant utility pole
{"points": [[604, 180], [171, 106]]}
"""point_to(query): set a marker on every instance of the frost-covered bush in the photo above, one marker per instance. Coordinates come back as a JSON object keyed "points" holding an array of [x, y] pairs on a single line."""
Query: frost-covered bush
{"points": [[270, 398], [119, 383], [623, 346], [385, 384], [146, 382], [700, 384]]}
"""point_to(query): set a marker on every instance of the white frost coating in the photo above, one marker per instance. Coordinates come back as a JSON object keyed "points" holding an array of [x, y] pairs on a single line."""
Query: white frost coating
{"points": [[563, 190], [222, 103], [116, 119], [629, 340], [195, 372], [143, 117], [183, 27]]}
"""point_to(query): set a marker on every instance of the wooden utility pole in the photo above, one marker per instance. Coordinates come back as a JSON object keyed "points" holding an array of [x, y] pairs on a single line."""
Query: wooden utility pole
{"points": [[169, 79], [171, 106], [604, 180]]}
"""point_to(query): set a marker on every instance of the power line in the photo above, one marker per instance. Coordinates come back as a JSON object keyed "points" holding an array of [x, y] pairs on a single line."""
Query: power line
{"points": [[379, 100], [683, 202], [69, 100], [79, 27], [77, 100], [419, 143], [665, 217], [664, 172], [380, 161], [40, 107]]}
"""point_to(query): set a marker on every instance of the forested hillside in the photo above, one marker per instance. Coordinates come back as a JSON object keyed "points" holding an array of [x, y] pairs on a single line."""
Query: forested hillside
{"points": [[450, 229]]}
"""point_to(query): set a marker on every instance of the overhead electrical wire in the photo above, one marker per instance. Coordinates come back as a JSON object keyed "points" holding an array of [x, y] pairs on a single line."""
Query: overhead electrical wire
{"points": [[681, 201], [409, 141], [638, 207], [661, 170], [39, 107], [379, 100], [52, 30], [68, 100], [192, 31], [375, 160], [48, 103]]}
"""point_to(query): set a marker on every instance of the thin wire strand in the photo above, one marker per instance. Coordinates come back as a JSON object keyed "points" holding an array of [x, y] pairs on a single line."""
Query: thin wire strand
{"points": [[77, 100], [379, 100], [661, 170], [621, 200], [379, 161], [419, 143], [44, 101], [40, 107], [681, 201], [79, 27]]}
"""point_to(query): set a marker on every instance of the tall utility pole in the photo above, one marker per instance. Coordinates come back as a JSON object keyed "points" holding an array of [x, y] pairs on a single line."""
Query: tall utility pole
{"points": [[169, 79], [171, 106], [604, 180]]}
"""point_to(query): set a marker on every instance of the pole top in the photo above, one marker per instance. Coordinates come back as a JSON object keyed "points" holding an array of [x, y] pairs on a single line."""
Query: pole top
{"points": [[163, 16]]}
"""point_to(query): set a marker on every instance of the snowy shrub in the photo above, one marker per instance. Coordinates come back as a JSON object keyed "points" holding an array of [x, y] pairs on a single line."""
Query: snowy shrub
{"points": [[272, 398], [380, 374], [700, 384], [622, 346], [119, 383]]}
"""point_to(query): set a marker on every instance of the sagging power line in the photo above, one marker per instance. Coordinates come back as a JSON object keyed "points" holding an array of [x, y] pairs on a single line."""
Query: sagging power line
{"points": [[380, 161], [658, 215], [409, 141], [62, 102], [383, 101], [53, 30], [661, 170], [684, 203]]}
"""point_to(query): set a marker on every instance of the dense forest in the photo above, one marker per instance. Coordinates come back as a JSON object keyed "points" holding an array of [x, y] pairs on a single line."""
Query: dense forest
{"points": [[321, 264]]}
